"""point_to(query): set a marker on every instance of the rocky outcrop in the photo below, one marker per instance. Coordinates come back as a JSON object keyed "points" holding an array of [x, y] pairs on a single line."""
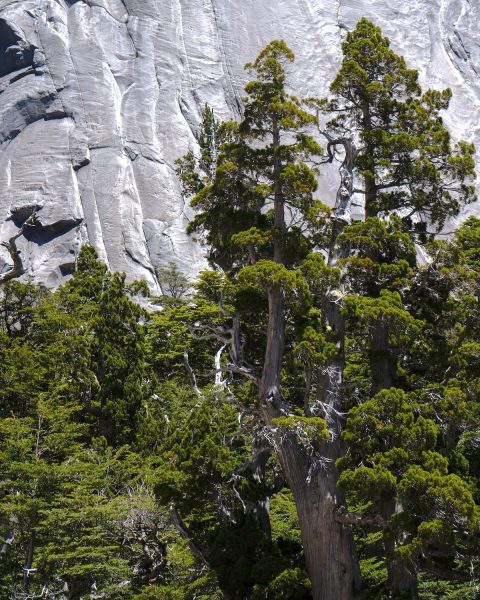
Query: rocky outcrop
{"points": [[98, 98]]}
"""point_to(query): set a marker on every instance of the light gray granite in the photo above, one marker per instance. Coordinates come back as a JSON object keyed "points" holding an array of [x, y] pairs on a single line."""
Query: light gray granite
{"points": [[98, 98]]}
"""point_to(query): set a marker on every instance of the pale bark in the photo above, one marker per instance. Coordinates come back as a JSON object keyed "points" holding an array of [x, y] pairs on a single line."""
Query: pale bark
{"points": [[342, 208], [191, 374], [17, 269]]}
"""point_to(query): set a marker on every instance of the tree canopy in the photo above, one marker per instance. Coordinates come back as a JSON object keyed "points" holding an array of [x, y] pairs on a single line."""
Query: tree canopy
{"points": [[302, 420]]}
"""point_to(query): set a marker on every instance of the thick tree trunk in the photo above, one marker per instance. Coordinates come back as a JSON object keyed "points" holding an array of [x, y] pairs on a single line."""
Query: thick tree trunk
{"points": [[329, 548], [402, 578], [261, 508], [270, 383], [342, 580], [328, 545]]}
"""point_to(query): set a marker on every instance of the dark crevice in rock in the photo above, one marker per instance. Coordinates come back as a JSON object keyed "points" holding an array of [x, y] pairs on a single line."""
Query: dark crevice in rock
{"points": [[138, 261], [67, 268], [42, 234], [55, 115], [24, 73], [79, 164], [15, 52]]}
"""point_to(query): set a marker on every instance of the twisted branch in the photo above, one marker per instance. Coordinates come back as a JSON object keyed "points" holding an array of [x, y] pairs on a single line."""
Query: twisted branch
{"points": [[18, 269], [347, 518]]}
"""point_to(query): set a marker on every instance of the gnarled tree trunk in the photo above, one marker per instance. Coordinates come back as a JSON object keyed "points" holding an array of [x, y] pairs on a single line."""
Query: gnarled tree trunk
{"points": [[328, 545]]}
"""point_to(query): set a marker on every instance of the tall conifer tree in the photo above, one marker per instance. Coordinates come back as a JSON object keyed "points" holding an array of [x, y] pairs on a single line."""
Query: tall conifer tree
{"points": [[405, 155], [259, 214]]}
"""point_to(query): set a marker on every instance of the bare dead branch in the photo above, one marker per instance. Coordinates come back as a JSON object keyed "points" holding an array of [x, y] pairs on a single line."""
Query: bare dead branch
{"points": [[342, 515], [18, 269], [191, 374], [240, 371]]}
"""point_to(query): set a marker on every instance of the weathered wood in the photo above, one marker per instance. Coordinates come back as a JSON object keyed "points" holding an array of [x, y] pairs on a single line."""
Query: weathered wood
{"points": [[328, 545], [18, 269]]}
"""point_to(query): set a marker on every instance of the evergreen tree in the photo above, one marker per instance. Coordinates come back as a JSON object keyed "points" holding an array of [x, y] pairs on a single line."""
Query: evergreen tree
{"points": [[405, 155], [58, 505], [217, 493], [409, 453], [259, 214], [77, 515], [111, 354], [248, 390], [408, 172], [409, 169]]}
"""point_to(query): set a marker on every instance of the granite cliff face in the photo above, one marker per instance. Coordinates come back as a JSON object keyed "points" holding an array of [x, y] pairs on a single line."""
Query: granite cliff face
{"points": [[98, 98]]}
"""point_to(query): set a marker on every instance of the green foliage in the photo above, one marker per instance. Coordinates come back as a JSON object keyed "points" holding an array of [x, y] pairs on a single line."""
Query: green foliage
{"points": [[127, 473], [58, 503], [386, 324], [231, 202], [172, 281], [432, 588], [406, 156], [467, 238], [198, 455], [388, 308], [308, 429], [378, 255], [74, 507], [392, 468]]}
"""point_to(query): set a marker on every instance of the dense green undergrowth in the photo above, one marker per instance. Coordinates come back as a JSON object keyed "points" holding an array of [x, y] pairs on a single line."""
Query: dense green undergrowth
{"points": [[147, 443]]}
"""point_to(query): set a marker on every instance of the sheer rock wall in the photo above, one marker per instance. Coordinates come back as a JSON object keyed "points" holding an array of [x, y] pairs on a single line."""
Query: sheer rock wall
{"points": [[98, 98]]}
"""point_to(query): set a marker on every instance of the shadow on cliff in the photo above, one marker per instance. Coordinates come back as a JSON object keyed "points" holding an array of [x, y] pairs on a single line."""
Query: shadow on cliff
{"points": [[15, 52], [38, 233]]}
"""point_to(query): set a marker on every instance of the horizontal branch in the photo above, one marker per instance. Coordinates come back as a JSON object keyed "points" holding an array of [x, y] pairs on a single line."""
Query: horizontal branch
{"points": [[347, 518], [239, 371]]}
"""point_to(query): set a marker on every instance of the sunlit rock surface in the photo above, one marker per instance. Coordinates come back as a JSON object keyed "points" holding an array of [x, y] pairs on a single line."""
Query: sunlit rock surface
{"points": [[98, 98]]}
